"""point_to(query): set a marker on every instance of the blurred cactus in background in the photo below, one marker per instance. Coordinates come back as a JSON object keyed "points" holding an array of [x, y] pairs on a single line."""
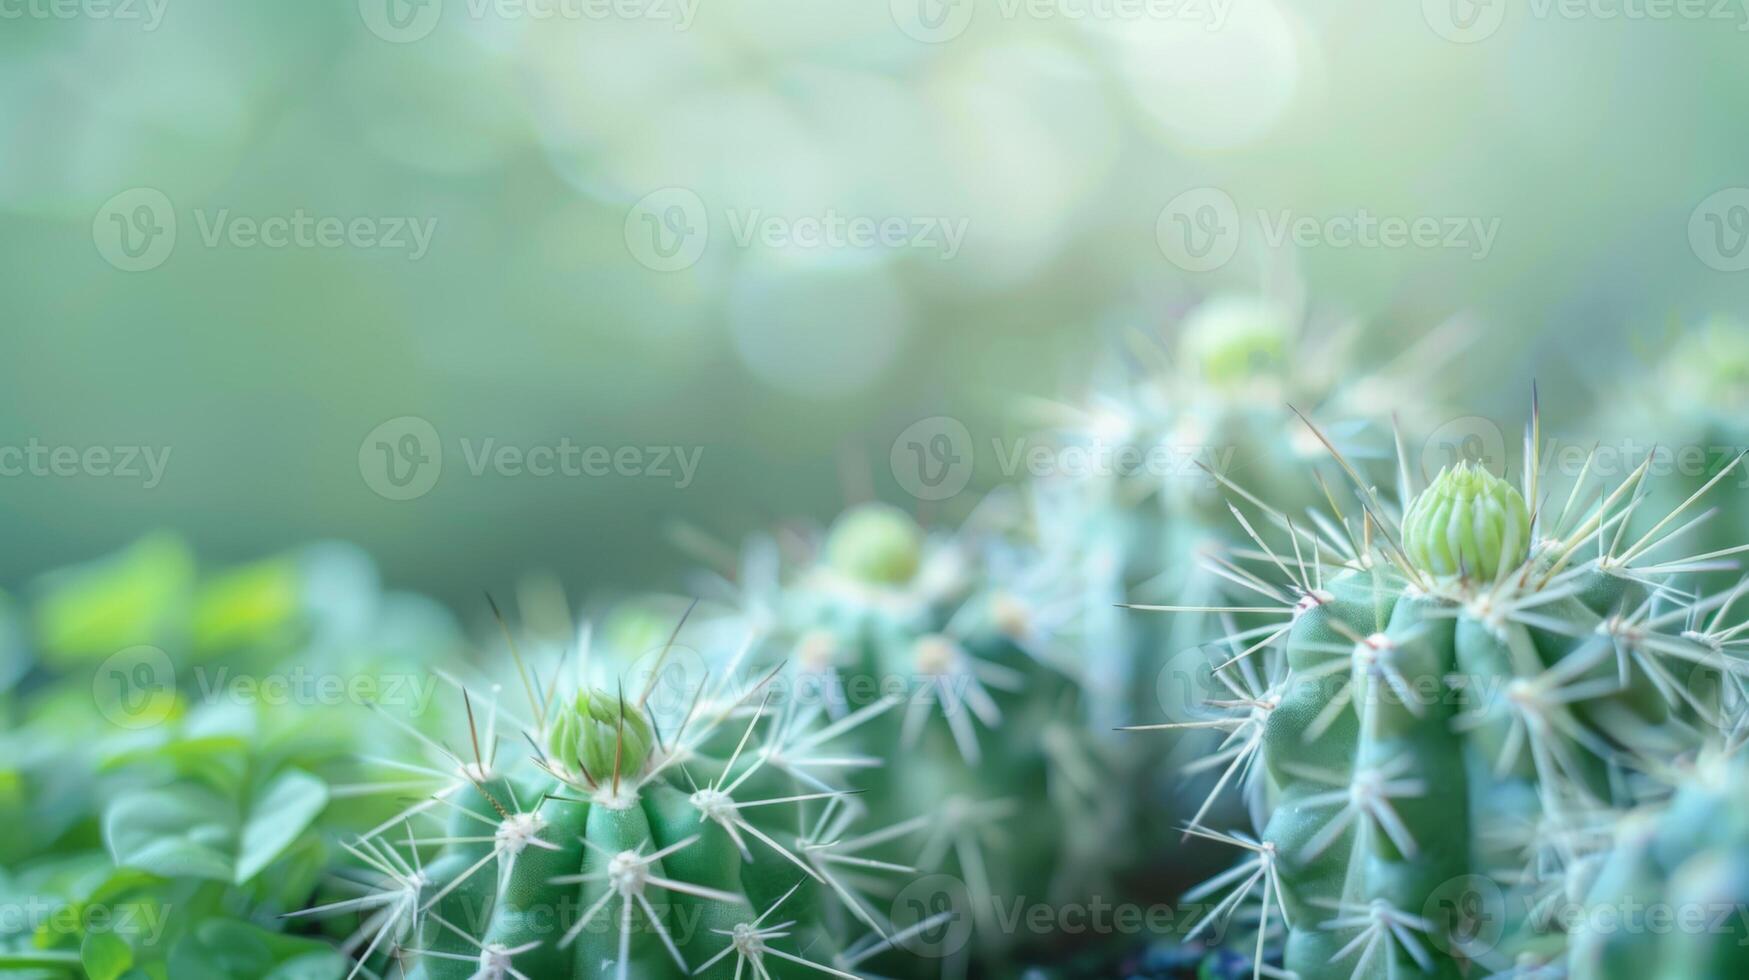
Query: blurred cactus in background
{"points": [[1689, 414], [949, 652], [1670, 899]]}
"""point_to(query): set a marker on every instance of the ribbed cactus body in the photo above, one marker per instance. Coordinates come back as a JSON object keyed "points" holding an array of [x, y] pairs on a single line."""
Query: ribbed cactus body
{"points": [[943, 650], [1391, 770], [1453, 706], [1671, 899], [557, 905]]}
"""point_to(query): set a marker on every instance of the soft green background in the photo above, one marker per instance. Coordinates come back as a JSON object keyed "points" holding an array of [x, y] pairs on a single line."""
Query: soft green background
{"points": [[1058, 140]]}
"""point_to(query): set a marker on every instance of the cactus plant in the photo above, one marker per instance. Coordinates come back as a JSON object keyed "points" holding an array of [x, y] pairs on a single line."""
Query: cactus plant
{"points": [[1199, 403], [638, 839], [1456, 689], [1671, 894], [1694, 397], [949, 648]]}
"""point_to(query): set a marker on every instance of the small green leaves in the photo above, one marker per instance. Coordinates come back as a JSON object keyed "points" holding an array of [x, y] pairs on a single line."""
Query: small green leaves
{"points": [[105, 955], [590, 738], [875, 544], [189, 831], [1469, 522]]}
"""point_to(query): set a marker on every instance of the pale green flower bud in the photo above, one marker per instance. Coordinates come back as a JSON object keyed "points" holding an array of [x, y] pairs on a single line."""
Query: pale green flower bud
{"points": [[587, 736], [1468, 522]]}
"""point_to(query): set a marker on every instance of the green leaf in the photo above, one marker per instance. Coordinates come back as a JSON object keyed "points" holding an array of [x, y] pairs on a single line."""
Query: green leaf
{"points": [[132, 597], [106, 955], [183, 831], [40, 960], [188, 831], [277, 815], [224, 948]]}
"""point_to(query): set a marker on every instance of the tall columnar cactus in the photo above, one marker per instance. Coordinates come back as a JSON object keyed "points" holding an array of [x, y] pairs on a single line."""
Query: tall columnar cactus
{"points": [[636, 839], [1671, 898], [944, 647], [1452, 693]]}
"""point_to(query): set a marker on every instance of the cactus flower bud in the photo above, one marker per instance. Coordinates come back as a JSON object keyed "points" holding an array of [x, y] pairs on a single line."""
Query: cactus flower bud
{"points": [[876, 544], [588, 737], [1467, 522]]}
